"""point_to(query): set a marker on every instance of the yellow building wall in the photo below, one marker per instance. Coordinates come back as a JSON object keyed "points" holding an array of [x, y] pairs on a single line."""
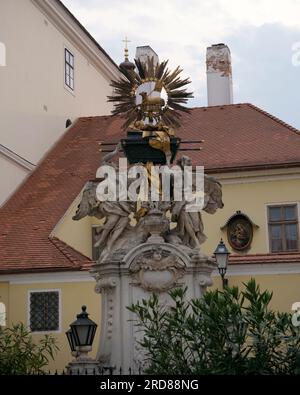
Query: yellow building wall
{"points": [[251, 199], [77, 234], [285, 287], [72, 296]]}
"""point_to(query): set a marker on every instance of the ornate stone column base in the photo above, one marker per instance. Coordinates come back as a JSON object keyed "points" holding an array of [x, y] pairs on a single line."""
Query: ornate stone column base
{"points": [[131, 276]]}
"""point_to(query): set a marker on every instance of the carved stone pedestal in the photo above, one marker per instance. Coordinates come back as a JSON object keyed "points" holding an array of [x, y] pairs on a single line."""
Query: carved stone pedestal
{"points": [[131, 276]]}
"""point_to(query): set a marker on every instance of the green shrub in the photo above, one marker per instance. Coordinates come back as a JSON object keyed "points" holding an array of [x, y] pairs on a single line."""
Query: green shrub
{"points": [[20, 355], [230, 332]]}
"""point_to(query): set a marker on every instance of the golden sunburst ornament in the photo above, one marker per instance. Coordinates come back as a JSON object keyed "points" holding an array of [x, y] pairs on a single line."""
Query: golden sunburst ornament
{"points": [[152, 94]]}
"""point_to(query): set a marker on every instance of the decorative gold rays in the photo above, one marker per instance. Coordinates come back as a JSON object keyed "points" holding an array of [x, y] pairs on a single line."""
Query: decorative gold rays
{"points": [[126, 91]]}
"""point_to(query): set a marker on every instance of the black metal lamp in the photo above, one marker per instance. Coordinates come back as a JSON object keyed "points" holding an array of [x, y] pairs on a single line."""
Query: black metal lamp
{"points": [[222, 256], [83, 330], [71, 340]]}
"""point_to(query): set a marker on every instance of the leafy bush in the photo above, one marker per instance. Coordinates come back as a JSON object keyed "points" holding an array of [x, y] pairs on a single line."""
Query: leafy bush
{"points": [[229, 332], [19, 355]]}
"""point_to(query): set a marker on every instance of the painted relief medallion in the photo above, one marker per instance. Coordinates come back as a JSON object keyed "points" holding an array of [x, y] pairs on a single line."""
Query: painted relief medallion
{"points": [[240, 233]]}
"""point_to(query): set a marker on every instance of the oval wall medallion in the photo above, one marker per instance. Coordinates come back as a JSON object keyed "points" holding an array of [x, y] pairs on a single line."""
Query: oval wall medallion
{"points": [[239, 231], [240, 234]]}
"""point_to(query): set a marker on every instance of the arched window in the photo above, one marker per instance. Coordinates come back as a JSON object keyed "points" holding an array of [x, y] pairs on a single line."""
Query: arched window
{"points": [[2, 314]]}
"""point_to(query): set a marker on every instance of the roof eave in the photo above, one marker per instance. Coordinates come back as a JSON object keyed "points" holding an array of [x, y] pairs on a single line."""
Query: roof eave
{"points": [[16, 270], [264, 166]]}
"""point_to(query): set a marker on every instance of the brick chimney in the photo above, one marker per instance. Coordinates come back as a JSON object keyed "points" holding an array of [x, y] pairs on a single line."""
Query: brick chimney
{"points": [[219, 75]]}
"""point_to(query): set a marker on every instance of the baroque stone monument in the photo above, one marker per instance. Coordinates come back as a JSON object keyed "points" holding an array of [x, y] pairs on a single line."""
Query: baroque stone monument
{"points": [[146, 246]]}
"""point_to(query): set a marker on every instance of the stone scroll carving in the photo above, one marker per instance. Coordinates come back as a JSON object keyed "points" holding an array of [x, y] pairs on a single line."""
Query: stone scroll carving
{"points": [[104, 284], [157, 270]]}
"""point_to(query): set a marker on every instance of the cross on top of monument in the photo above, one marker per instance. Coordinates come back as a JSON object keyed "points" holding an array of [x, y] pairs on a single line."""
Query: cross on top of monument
{"points": [[126, 41]]}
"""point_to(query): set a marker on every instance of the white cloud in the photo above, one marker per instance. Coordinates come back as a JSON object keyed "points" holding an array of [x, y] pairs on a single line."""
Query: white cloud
{"points": [[179, 20], [170, 26]]}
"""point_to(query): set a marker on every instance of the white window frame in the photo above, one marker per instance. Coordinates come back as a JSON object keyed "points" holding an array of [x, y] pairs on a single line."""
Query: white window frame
{"points": [[31, 291], [70, 90], [286, 203]]}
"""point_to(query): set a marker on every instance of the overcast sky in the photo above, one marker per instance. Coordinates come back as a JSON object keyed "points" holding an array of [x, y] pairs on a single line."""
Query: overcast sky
{"points": [[260, 34]]}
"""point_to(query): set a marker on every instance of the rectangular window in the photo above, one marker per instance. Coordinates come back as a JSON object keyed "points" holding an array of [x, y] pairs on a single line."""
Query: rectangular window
{"points": [[44, 311], [69, 69], [283, 228], [95, 250]]}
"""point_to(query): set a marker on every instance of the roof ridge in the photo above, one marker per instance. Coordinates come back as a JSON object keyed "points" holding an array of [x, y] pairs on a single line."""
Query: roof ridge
{"points": [[105, 117], [264, 112], [67, 251], [113, 116], [217, 106]]}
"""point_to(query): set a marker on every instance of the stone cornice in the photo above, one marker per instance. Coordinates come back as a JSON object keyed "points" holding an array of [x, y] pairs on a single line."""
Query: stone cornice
{"points": [[253, 176]]}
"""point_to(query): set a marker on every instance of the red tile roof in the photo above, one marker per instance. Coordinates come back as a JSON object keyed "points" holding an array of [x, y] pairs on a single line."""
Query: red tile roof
{"points": [[241, 136], [236, 136]]}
